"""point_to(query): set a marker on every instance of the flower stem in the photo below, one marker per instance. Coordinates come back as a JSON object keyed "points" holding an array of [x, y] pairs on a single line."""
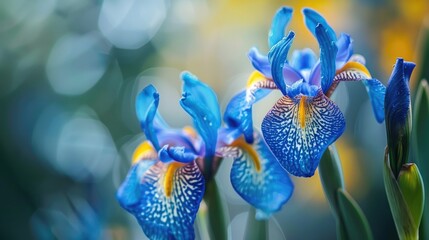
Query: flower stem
{"points": [[255, 229], [217, 212]]}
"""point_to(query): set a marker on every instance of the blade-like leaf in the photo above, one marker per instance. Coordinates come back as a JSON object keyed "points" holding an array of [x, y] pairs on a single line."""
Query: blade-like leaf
{"points": [[355, 221], [331, 176], [420, 143], [405, 226], [421, 128]]}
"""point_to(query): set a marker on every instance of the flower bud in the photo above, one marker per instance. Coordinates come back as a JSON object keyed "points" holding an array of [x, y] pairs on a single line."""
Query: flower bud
{"points": [[397, 110]]}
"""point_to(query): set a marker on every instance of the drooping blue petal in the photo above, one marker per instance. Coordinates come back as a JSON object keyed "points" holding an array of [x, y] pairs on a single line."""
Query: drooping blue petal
{"points": [[260, 62], [278, 25], [170, 198], [355, 71], [258, 178], [303, 59], [200, 101], [345, 50], [277, 57], [146, 108], [328, 52], [299, 130], [180, 154], [313, 18], [376, 92], [129, 193], [238, 113]]}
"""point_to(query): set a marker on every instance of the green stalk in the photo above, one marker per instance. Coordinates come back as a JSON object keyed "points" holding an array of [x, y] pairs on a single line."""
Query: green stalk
{"points": [[351, 222], [217, 212], [255, 229]]}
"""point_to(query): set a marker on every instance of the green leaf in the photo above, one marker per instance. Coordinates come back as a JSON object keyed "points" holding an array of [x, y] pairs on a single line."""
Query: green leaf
{"points": [[255, 229], [421, 143], [404, 222], [351, 222], [421, 126], [217, 211], [356, 224], [331, 177]]}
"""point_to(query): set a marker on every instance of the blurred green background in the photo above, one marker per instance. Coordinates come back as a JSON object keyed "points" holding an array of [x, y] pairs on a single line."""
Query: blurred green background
{"points": [[70, 71]]}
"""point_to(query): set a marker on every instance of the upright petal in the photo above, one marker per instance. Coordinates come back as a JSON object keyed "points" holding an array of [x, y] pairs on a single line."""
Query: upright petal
{"points": [[260, 62], [277, 57], [345, 49], [146, 107], [355, 71], [303, 59], [280, 21], [299, 130], [313, 18], [258, 178], [170, 197], [328, 52], [238, 113], [200, 101]]}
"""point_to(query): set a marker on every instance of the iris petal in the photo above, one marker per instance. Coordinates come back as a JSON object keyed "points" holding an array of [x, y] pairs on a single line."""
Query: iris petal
{"points": [[200, 101], [303, 59], [328, 51], [146, 107], [376, 91], [290, 75], [179, 154], [345, 49], [169, 200], [238, 113], [258, 178], [260, 62], [313, 18], [355, 71], [129, 193], [144, 157], [144, 151], [278, 25], [299, 130], [277, 56]]}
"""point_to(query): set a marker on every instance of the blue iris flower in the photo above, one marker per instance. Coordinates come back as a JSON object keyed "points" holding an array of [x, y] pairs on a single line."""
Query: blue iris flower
{"points": [[166, 182], [304, 122]]}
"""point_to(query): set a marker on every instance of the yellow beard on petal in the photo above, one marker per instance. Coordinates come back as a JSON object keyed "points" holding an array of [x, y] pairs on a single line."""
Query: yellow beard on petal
{"points": [[356, 66], [301, 111], [144, 151], [169, 177], [241, 143]]}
